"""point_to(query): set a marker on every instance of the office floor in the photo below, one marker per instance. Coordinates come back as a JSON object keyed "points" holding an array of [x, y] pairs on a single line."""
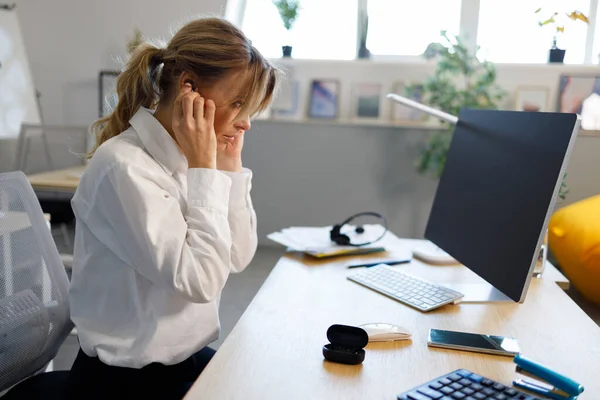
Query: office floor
{"points": [[239, 292]]}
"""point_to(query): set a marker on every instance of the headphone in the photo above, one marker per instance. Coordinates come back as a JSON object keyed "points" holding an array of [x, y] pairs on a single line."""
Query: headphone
{"points": [[344, 240]]}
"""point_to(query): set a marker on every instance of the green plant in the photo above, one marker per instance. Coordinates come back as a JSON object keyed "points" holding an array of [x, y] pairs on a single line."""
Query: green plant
{"points": [[564, 189], [461, 80], [288, 11]]}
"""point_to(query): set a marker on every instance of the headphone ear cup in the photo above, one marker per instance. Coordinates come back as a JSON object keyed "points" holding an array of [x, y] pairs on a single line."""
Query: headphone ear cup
{"points": [[342, 240], [337, 237]]}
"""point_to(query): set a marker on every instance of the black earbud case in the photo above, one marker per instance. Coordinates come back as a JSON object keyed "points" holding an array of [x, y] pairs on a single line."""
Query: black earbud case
{"points": [[346, 344]]}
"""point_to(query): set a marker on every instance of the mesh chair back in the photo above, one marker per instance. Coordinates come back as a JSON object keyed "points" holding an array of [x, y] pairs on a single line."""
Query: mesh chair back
{"points": [[34, 308]]}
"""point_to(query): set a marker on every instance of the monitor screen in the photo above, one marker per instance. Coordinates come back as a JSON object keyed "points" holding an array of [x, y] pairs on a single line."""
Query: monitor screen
{"points": [[501, 177]]}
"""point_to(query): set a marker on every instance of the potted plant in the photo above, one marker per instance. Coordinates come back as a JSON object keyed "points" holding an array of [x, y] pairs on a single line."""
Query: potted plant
{"points": [[460, 80], [288, 11], [558, 20]]}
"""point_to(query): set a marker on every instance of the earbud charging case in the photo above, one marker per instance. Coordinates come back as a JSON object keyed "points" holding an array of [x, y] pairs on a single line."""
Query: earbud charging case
{"points": [[346, 344]]}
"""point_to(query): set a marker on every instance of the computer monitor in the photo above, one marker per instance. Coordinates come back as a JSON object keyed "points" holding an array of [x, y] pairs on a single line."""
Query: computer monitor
{"points": [[497, 192]]}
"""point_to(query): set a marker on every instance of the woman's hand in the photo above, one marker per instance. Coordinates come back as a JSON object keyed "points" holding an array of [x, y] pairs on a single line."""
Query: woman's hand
{"points": [[229, 157], [193, 126]]}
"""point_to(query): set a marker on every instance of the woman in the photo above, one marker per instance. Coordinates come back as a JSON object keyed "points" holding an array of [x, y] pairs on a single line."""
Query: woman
{"points": [[164, 213]]}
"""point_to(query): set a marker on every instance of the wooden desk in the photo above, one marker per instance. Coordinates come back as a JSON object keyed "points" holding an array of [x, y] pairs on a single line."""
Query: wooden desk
{"points": [[59, 180], [274, 351]]}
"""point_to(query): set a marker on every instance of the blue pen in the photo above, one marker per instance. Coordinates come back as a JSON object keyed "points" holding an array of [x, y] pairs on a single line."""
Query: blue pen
{"points": [[561, 382], [378, 263]]}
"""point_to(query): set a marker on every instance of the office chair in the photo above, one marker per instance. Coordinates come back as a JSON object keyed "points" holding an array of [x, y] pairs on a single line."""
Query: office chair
{"points": [[34, 307]]}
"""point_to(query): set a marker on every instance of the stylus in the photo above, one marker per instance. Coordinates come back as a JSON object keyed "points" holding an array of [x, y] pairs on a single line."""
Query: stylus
{"points": [[378, 263]]}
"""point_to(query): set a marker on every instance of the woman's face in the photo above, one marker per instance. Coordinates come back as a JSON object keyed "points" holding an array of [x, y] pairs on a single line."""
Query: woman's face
{"points": [[225, 94]]}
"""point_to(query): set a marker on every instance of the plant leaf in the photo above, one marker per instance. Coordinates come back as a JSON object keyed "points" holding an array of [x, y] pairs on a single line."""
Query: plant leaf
{"points": [[575, 15], [548, 21]]}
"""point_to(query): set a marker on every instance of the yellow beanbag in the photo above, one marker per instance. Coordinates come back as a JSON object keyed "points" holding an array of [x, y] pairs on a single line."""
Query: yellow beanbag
{"points": [[574, 239]]}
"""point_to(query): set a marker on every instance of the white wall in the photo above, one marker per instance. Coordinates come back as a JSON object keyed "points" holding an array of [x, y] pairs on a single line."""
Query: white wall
{"points": [[319, 174], [69, 41]]}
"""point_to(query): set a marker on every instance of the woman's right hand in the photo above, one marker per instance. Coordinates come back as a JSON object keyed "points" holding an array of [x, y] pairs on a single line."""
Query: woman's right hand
{"points": [[193, 126]]}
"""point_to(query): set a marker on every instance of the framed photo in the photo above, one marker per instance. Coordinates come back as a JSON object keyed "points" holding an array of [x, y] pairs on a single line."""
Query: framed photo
{"points": [[324, 98], [573, 90], [401, 113], [366, 100], [107, 81], [285, 103], [533, 98]]}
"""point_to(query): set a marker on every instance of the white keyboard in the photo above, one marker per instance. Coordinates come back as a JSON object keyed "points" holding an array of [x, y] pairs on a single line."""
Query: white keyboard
{"points": [[405, 288]]}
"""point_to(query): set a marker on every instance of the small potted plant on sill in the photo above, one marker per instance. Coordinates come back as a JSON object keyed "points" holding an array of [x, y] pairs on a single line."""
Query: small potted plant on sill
{"points": [[557, 55], [288, 11]]}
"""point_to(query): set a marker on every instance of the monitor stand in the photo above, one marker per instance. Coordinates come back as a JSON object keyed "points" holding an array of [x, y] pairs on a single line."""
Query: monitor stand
{"points": [[479, 293]]}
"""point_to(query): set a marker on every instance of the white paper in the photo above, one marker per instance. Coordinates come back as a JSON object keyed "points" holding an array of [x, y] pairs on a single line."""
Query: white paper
{"points": [[301, 238]]}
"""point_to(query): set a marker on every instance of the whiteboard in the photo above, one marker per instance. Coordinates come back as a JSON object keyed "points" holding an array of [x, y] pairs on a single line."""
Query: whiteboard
{"points": [[18, 102]]}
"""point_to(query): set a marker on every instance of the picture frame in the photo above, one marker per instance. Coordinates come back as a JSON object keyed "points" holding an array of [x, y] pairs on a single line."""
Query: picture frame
{"points": [[532, 98], [324, 99], [107, 96], [574, 89], [405, 114], [366, 102], [286, 101]]}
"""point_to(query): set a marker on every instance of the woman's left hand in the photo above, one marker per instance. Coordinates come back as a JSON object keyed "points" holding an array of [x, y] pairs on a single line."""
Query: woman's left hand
{"points": [[229, 154]]}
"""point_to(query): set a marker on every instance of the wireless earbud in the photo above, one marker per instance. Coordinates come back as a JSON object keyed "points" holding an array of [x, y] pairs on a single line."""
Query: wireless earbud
{"points": [[191, 82]]}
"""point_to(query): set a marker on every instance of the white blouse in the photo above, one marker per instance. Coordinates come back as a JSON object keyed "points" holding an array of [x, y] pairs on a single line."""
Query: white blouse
{"points": [[155, 243]]}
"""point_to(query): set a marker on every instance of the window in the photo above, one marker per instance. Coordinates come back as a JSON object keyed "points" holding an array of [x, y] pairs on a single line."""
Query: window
{"points": [[325, 29], [406, 27], [509, 32], [595, 54]]}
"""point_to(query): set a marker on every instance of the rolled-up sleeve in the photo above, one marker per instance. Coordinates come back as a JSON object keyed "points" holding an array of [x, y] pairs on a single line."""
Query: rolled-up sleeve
{"points": [[141, 221], [242, 220]]}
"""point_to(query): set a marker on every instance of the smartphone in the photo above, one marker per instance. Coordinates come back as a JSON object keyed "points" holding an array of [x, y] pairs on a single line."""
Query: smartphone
{"points": [[488, 344]]}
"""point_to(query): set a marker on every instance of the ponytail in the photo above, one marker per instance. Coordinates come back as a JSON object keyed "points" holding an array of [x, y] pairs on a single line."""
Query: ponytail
{"points": [[135, 89]]}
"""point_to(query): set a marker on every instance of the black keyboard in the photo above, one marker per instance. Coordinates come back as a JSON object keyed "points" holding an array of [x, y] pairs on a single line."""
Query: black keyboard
{"points": [[464, 385]]}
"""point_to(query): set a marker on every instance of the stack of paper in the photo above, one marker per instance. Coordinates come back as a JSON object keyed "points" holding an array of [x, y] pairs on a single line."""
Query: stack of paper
{"points": [[316, 241]]}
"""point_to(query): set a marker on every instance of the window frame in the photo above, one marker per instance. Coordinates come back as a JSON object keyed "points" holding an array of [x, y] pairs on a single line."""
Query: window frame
{"points": [[468, 26]]}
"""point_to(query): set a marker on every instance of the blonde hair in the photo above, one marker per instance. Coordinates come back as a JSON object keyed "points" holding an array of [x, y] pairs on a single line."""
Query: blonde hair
{"points": [[210, 49]]}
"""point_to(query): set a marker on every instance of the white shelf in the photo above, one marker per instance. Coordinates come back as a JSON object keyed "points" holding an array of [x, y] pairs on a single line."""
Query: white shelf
{"points": [[350, 122], [372, 123]]}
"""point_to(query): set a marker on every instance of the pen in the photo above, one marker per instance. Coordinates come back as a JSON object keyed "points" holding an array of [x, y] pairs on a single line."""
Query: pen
{"points": [[368, 265], [521, 384]]}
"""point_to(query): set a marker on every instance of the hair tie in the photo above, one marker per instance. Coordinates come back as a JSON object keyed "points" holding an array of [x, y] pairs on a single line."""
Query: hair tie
{"points": [[160, 56]]}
